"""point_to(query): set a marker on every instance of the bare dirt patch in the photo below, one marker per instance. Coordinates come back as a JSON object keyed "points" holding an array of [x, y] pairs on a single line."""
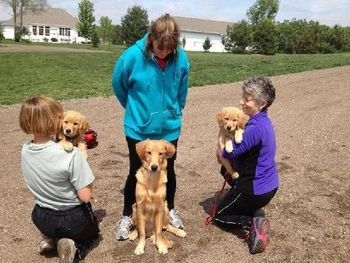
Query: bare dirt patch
{"points": [[310, 216]]}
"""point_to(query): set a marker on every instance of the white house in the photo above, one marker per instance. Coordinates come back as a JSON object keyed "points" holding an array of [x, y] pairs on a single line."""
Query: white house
{"points": [[49, 25], [195, 31]]}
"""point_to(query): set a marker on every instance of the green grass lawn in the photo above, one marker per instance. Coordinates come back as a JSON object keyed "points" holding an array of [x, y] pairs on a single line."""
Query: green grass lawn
{"points": [[65, 75]]}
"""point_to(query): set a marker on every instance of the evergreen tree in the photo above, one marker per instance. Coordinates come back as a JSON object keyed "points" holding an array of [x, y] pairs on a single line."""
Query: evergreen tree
{"points": [[134, 24], [207, 45]]}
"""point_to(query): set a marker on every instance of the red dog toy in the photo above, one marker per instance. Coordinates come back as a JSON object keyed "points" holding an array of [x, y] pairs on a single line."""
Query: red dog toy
{"points": [[90, 137]]}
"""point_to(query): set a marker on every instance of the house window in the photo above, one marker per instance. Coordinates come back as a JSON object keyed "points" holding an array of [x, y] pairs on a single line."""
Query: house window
{"points": [[64, 31], [47, 31], [35, 30], [41, 30]]}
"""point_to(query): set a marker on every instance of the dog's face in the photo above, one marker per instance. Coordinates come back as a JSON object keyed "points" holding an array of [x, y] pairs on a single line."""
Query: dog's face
{"points": [[231, 118], [154, 154], [73, 123]]}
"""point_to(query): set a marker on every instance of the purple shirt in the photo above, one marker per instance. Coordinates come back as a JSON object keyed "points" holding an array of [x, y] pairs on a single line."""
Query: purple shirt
{"points": [[254, 158]]}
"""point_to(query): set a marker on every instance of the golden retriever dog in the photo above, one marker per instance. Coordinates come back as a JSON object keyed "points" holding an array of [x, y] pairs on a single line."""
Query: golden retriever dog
{"points": [[73, 127], [231, 122], [150, 212]]}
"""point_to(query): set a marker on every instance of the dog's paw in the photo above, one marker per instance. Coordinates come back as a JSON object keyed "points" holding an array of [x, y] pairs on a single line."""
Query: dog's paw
{"points": [[139, 250], [235, 175], [181, 233], [229, 146], [133, 235], [162, 248], [68, 147]]}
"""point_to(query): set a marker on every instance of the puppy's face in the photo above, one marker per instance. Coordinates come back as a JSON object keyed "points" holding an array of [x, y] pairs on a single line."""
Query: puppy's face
{"points": [[73, 123], [231, 118], [154, 154]]}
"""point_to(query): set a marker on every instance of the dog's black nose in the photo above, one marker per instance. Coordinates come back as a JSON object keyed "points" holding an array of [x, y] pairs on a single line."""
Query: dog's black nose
{"points": [[229, 128], [154, 167], [67, 130]]}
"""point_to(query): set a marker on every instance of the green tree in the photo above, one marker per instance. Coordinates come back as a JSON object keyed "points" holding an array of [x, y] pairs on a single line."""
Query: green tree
{"points": [[105, 29], [95, 40], [86, 21], [183, 41], [265, 39], [134, 24], [1, 35], [261, 10], [207, 44], [117, 38], [239, 37], [18, 8]]}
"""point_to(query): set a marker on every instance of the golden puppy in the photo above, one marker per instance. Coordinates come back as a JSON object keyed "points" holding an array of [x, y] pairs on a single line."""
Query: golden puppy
{"points": [[73, 127], [231, 122], [150, 212]]}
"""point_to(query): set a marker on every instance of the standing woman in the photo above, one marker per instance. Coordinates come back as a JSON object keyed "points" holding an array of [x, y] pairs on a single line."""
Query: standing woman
{"points": [[150, 81]]}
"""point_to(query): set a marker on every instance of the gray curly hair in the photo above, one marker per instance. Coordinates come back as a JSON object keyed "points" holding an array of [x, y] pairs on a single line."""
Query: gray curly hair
{"points": [[261, 89]]}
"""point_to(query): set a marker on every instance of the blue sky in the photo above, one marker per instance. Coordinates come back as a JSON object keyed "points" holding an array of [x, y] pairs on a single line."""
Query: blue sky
{"points": [[329, 12]]}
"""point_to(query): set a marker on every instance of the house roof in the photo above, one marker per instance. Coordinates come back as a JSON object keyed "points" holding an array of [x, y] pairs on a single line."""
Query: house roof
{"points": [[47, 17], [198, 25]]}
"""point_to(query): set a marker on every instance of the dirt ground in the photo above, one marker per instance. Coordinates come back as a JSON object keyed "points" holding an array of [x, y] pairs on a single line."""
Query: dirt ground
{"points": [[310, 216]]}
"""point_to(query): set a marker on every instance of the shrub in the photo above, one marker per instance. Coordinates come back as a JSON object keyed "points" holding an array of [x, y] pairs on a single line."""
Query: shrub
{"points": [[53, 39]]}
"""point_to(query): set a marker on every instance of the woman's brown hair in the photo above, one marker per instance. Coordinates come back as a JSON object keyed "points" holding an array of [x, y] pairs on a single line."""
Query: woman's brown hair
{"points": [[166, 32]]}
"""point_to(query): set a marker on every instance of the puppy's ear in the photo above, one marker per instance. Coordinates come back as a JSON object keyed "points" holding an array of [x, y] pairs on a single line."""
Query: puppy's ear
{"points": [[84, 125], [242, 120], [170, 149], [140, 149], [220, 117]]}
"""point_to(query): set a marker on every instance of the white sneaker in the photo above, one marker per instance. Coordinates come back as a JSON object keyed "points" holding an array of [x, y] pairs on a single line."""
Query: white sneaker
{"points": [[123, 228], [66, 250], [175, 220]]}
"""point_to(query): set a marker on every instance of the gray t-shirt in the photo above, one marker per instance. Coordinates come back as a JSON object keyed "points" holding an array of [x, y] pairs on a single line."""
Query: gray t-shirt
{"points": [[54, 175]]}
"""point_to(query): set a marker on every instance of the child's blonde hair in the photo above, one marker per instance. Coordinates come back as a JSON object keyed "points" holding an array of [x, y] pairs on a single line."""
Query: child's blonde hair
{"points": [[166, 32], [39, 115]]}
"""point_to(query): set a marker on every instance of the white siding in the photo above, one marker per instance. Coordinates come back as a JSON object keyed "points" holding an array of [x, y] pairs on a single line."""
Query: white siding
{"points": [[54, 32], [195, 41]]}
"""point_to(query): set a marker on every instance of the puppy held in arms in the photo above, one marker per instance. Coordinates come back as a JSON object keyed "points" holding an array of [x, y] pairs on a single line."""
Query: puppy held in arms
{"points": [[150, 212], [231, 122], [73, 127]]}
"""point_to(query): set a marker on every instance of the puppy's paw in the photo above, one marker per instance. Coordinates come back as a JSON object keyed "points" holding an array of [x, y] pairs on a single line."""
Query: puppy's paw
{"points": [[228, 146], [235, 175], [68, 146]]}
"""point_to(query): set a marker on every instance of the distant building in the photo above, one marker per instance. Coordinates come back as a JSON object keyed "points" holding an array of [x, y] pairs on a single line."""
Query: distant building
{"points": [[49, 25], [195, 31]]}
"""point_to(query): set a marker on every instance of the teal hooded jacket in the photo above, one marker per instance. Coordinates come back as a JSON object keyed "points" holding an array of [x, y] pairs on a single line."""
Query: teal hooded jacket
{"points": [[153, 98]]}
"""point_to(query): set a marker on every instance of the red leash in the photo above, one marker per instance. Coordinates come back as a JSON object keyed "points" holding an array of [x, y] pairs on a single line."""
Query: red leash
{"points": [[215, 201]]}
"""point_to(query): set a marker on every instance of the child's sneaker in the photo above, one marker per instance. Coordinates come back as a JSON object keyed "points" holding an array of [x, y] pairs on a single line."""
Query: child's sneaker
{"points": [[46, 245], [66, 250], [258, 235]]}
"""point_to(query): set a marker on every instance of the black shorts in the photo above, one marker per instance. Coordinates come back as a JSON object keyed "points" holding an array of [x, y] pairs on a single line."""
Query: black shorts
{"points": [[78, 223]]}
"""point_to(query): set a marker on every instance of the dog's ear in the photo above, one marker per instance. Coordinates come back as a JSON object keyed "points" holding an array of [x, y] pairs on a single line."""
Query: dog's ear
{"points": [[242, 120], [170, 149], [140, 149], [220, 117], [84, 125]]}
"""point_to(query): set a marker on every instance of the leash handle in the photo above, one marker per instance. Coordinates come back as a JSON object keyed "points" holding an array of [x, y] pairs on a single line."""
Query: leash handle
{"points": [[214, 203]]}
